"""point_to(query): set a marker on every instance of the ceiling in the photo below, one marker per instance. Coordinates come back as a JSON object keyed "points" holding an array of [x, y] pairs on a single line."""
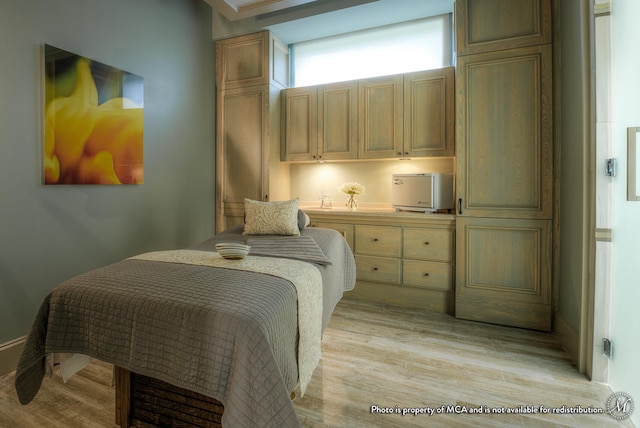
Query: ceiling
{"points": [[234, 10], [295, 21]]}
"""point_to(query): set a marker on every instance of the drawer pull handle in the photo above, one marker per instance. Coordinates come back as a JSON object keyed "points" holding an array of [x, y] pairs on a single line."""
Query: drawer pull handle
{"points": [[426, 274]]}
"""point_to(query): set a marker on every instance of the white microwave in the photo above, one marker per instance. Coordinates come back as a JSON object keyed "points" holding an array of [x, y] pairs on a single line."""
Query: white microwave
{"points": [[422, 192]]}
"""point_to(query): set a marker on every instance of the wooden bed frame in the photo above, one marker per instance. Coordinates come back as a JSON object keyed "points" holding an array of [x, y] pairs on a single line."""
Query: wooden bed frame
{"points": [[144, 402]]}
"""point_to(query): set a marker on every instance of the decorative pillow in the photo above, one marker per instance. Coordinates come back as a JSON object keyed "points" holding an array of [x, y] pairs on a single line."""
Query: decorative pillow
{"points": [[271, 218], [303, 220]]}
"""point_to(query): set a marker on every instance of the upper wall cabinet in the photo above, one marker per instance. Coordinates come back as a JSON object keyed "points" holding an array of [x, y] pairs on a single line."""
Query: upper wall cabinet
{"points": [[338, 121], [380, 118], [300, 130], [493, 25], [404, 115], [254, 59], [429, 113], [320, 122]]}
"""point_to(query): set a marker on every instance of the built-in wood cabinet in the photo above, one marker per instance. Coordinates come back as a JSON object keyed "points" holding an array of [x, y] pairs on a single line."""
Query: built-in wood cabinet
{"points": [[504, 271], [338, 121], [320, 122], [401, 258], [504, 162], [251, 60], [505, 144], [429, 113], [494, 25], [250, 72], [300, 114], [410, 115], [381, 117]]}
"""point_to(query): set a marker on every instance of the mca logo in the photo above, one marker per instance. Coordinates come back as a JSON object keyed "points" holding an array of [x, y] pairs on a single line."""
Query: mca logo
{"points": [[620, 405]]}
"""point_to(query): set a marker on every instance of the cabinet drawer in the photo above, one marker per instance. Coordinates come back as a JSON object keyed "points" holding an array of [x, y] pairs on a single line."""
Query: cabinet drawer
{"points": [[378, 240], [434, 275], [428, 244], [378, 269], [344, 228]]}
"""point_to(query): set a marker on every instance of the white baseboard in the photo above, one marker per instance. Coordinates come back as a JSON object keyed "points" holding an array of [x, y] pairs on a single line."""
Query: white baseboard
{"points": [[568, 337], [10, 353]]}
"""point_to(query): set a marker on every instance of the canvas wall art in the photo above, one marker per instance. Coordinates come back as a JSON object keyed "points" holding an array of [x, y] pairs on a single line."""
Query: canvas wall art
{"points": [[94, 121]]}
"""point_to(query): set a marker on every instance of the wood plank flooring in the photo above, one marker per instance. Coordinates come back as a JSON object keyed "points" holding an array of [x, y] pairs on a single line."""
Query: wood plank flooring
{"points": [[393, 358]]}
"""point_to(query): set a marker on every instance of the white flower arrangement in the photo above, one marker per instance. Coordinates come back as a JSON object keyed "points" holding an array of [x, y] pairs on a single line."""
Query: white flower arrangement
{"points": [[352, 188]]}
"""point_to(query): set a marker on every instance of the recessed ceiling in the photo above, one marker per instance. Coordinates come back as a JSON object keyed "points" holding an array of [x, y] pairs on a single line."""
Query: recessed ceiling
{"points": [[234, 10]]}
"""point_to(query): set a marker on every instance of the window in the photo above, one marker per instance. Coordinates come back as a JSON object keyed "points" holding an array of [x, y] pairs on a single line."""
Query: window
{"points": [[400, 48]]}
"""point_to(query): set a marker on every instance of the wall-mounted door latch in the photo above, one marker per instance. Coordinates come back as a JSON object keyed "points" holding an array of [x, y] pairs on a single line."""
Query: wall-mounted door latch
{"points": [[607, 347], [611, 168]]}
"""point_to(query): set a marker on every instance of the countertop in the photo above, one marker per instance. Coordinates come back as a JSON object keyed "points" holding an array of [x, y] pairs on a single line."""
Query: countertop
{"points": [[374, 210]]}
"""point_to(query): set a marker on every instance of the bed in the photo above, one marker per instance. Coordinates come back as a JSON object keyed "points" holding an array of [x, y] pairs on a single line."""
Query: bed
{"points": [[190, 327]]}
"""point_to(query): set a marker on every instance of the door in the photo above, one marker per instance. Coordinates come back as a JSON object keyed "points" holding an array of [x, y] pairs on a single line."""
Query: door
{"points": [[504, 186], [241, 151]]}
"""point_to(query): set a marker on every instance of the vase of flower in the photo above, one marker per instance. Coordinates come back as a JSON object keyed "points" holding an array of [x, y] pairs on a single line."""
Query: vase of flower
{"points": [[351, 203], [351, 189]]}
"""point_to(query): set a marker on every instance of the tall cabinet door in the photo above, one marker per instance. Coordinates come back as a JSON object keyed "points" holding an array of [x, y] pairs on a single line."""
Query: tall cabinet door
{"points": [[241, 151], [504, 186], [504, 134]]}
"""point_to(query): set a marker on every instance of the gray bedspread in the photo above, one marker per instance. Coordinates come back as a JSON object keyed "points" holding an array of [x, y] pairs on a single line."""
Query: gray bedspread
{"points": [[224, 333]]}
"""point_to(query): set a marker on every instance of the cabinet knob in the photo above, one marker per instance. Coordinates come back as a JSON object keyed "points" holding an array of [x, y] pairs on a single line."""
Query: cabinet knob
{"points": [[399, 153], [406, 153], [426, 274], [375, 239], [375, 268], [426, 242]]}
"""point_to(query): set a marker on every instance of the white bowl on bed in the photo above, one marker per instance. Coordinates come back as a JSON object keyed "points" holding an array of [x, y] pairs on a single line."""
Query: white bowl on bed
{"points": [[232, 250]]}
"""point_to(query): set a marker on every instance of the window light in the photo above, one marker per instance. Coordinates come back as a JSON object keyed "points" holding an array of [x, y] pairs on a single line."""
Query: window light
{"points": [[399, 48]]}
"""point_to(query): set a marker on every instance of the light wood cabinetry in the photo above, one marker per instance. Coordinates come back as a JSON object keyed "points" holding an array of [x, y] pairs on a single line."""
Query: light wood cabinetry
{"points": [[320, 122], [346, 229], [338, 121], [504, 163], [251, 60], [381, 117], [401, 258], [410, 115], [300, 135], [504, 271], [378, 240], [493, 25], [250, 72], [429, 113], [505, 144]]}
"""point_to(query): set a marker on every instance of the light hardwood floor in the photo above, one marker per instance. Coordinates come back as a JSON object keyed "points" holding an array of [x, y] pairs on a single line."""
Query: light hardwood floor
{"points": [[375, 355]]}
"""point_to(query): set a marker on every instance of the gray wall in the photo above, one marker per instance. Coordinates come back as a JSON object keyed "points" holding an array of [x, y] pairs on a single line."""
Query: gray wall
{"points": [[625, 316], [50, 233]]}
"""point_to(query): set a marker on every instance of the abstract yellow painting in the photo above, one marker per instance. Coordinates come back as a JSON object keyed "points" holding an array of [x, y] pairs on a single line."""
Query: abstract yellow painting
{"points": [[93, 122]]}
